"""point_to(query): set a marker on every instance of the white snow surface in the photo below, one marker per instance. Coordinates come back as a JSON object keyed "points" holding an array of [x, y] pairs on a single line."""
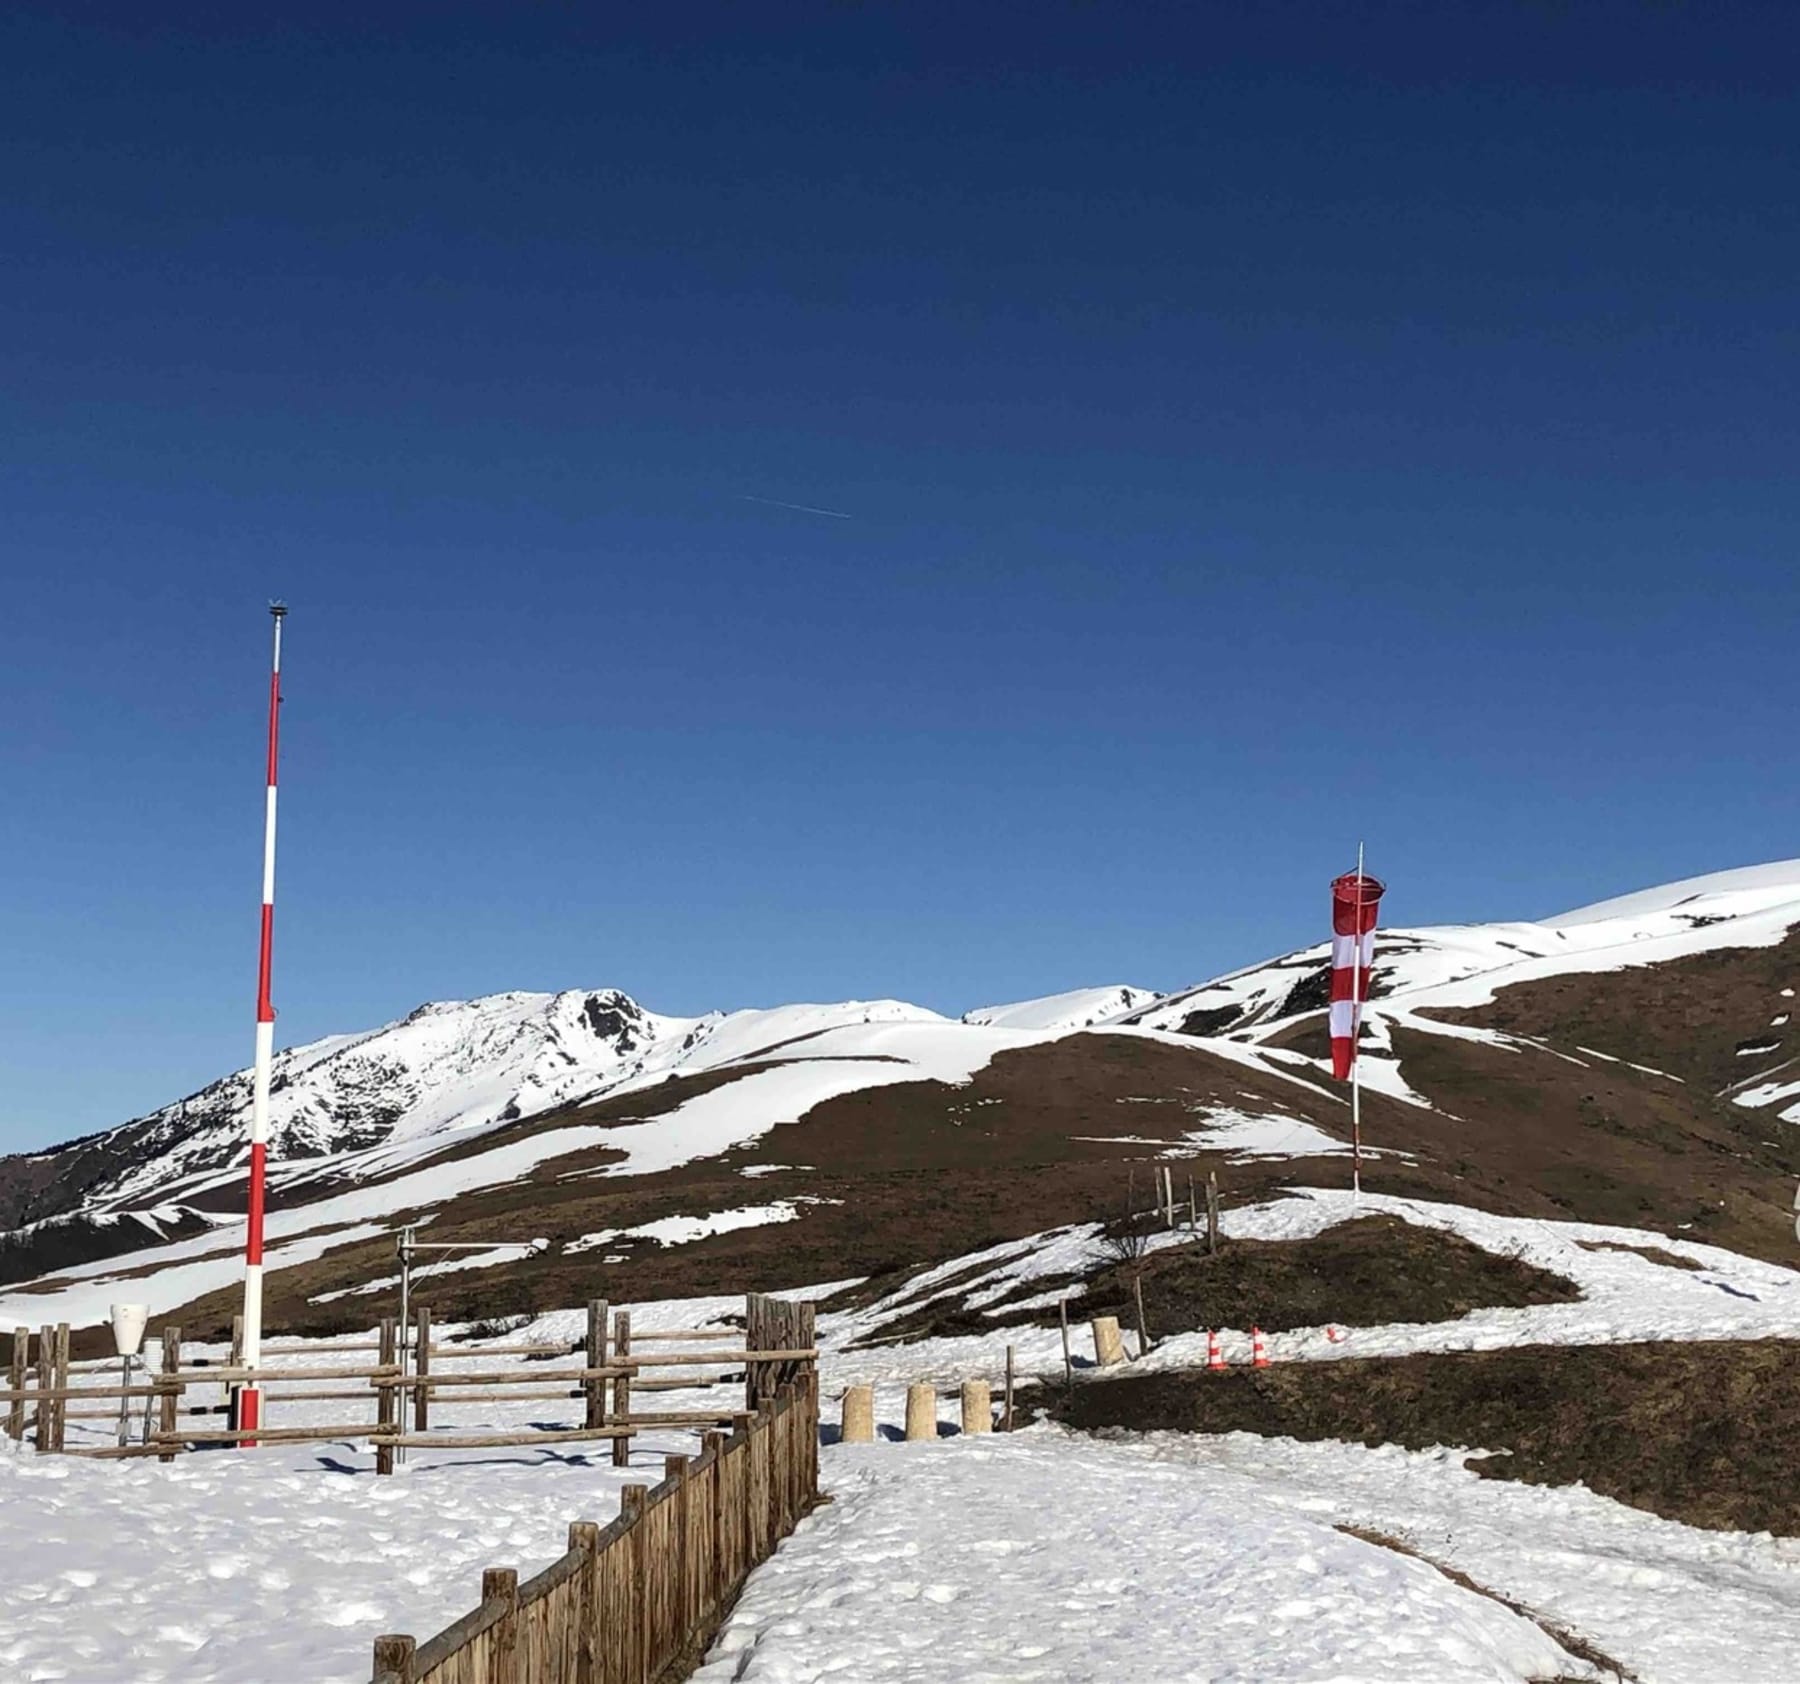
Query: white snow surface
{"points": [[361, 1106], [685, 1230], [1040, 1557], [814, 1057], [1079, 1009], [1463, 964]]}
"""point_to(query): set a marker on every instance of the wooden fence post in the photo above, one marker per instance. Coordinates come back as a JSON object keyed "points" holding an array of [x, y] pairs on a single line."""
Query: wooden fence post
{"points": [[584, 1535], [1137, 1292], [21, 1354], [1006, 1425], [394, 1659], [622, 1388], [636, 1638], [687, 1616], [596, 1358], [421, 1368], [1212, 1210], [169, 1388], [502, 1584], [1068, 1360], [387, 1400], [61, 1415], [46, 1378], [718, 1446]]}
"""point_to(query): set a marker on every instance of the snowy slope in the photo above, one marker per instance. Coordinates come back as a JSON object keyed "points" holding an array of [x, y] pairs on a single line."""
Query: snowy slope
{"points": [[1461, 965], [363, 1104], [1078, 1009]]}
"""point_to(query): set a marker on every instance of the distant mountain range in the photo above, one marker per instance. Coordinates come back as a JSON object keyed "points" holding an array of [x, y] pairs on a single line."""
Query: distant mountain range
{"points": [[1683, 991]]}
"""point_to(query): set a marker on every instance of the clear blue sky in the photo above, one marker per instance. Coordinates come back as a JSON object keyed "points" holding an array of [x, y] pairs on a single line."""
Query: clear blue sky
{"points": [[1260, 426]]}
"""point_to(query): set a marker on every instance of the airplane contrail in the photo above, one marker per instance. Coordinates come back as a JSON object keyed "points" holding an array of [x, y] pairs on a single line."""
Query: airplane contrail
{"points": [[802, 508]]}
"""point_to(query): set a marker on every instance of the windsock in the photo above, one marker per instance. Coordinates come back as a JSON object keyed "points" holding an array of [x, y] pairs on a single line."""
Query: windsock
{"points": [[1355, 909]]}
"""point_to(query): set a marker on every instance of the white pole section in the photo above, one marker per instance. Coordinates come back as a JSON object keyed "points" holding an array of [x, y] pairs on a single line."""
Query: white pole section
{"points": [[249, 1410]]}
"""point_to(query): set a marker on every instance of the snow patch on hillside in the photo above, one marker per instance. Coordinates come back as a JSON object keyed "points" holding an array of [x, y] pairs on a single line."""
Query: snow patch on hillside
{"points": [[1081, 1008]]}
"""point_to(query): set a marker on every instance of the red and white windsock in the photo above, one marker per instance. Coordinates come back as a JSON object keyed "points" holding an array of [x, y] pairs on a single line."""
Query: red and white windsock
{"points": [[249, 1399], [1355, 909]]}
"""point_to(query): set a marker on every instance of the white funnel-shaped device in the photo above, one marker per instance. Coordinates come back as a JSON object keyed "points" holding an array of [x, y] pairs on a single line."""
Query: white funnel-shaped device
{"points": [[128, 1323]]}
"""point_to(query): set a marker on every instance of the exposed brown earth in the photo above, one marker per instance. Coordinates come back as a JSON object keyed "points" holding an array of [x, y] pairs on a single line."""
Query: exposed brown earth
{"points": [[1373, 1270], [1698, 1432], [1688, 1017], [923, 1171], [911, 1174]]}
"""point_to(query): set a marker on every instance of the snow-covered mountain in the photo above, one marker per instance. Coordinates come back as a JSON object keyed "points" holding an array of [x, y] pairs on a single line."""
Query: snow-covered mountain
{"points": [[368, 1104], [462, 1097]]}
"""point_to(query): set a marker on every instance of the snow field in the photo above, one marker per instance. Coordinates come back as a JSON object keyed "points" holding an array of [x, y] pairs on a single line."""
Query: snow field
{"points": [[1042, 1556], [273, 1566], [1046, 1556]]}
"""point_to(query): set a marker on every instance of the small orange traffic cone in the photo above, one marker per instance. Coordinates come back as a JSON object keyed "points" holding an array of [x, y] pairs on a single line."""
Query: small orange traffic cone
{"points": [[1259, 1355], [1215, 1358]]}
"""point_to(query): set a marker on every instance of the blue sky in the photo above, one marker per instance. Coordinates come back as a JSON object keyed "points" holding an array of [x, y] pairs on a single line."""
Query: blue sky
{"points": [[1259, 426]]}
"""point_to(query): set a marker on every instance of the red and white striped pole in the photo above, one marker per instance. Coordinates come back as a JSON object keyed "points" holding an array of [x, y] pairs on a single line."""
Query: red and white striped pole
{"points": [[249, 1398]]}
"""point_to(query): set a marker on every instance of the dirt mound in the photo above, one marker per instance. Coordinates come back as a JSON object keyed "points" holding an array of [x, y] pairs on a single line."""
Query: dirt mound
{"points": [[1702, 1433], [1376, 1269]]}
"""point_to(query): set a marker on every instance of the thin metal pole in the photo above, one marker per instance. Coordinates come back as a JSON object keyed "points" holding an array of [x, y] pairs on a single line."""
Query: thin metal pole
{"points": [[1356, 954], [249, 1398]]}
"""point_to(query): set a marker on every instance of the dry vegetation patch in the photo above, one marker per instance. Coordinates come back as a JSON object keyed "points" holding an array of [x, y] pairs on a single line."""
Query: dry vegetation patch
{"points": [[1698, 1432]]}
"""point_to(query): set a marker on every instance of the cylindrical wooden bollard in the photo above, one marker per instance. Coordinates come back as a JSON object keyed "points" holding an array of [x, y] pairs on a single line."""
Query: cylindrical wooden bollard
{"points": [[1109, 1347], [977, 1407], [859, 1415], [921, 1412]]}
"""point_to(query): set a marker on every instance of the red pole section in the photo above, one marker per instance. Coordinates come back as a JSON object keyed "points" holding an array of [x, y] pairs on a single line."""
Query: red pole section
{"points": [[249, 1398]]}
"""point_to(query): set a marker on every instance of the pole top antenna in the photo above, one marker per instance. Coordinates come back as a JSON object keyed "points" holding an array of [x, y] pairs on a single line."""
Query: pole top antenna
{"points": [[278, 609]]}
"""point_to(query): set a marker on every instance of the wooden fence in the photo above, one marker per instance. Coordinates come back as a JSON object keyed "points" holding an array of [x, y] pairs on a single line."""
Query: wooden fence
{"points": [[629, 1599], [414, 1378]]}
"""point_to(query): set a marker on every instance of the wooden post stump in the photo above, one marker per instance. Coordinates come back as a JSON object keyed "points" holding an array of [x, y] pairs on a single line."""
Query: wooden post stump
{"points": [[921, 1412], [1109, 1344], [859, 1415], [977, 1407]]}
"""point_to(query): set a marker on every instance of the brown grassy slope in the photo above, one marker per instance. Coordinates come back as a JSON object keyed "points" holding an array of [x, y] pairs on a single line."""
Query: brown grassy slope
{"points": [[1375, 1269], [923, 1171], [1688, 1017], [1699, 1432]]}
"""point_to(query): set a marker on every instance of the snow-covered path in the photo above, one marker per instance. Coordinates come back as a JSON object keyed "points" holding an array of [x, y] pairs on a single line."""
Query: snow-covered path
{"points": [[1047, 1557]]}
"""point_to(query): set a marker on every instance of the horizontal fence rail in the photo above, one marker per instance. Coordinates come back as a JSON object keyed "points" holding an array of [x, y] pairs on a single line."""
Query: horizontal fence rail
{"points": [[408, 1378]]}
